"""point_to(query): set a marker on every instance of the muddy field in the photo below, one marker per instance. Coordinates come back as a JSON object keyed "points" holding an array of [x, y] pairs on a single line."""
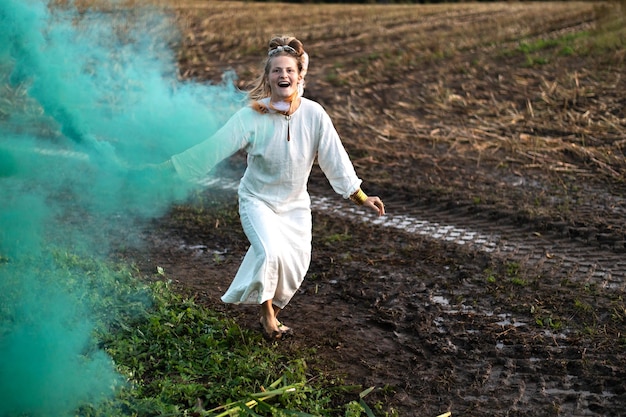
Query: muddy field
{"points": [[495, 284]]}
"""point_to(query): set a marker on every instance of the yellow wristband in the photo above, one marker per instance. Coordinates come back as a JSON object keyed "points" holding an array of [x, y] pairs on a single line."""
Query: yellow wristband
{"points": [[359, 197]]}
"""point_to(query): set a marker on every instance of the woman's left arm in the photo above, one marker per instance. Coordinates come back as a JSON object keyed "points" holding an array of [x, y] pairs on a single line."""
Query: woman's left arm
{"points": [[339, 170]]}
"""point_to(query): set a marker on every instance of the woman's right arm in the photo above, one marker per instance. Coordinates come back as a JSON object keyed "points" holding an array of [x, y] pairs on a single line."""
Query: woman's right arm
{"points": [[195, 163]]}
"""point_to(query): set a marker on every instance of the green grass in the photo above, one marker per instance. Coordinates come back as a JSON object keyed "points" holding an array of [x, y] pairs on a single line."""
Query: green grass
{"points": [[608, 36], [178, 358], [181, 359]]}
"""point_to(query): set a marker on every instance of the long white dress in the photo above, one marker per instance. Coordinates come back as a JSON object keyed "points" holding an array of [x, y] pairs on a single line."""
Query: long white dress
{"points": [[274, 204]]}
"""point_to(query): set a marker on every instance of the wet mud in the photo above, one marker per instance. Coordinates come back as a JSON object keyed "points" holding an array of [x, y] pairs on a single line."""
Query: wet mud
{"points": [[495, 284]]}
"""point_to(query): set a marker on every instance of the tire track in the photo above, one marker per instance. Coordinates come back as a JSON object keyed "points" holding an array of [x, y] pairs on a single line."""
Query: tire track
{"points": [[507, 358], [563, 259]]}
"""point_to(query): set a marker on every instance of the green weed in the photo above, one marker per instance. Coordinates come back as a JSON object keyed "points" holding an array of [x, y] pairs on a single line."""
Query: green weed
{"points": [[519, 281], [582, 306], [553, 324], [491, 275], [337, 237]]}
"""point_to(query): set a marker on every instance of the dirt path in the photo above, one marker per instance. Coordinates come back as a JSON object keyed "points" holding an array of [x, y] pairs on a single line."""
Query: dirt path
{"points": [[496, 284], [476, 328]]}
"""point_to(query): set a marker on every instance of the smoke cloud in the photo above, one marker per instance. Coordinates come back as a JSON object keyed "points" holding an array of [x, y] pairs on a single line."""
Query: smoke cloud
{"points": [[87, 101]]}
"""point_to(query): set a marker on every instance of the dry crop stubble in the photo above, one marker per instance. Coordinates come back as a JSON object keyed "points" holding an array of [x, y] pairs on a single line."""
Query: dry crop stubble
{"points": [[365, 48], [441, 105]]}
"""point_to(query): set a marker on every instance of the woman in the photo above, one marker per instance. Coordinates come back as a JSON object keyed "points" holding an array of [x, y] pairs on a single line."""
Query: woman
{"points": [[282, 134]]}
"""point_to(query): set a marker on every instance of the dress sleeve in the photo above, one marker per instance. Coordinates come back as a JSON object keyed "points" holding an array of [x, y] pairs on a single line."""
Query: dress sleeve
{"points": [[334, 160], [195, 163]]}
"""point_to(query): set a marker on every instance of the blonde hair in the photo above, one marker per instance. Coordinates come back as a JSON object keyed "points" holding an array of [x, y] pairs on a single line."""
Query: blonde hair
{"points": [[291, 46]]}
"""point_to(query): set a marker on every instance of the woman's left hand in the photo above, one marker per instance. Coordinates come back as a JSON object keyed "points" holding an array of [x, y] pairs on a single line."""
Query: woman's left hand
{"points": [[375, 203]]}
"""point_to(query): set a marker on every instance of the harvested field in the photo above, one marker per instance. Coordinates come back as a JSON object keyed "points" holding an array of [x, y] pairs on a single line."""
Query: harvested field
{"points": [[505, 122]]}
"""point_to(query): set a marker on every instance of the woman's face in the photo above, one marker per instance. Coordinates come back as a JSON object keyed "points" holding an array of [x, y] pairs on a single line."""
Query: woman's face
{"points": [[283, 77]]}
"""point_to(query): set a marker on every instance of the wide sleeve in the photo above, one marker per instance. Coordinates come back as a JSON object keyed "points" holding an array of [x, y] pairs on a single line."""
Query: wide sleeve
{"points": [[195, 163], [334, 160]]}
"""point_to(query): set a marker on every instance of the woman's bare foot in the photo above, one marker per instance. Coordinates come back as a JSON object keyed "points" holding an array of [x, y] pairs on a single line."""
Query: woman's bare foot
{"points": [[286, 331], [268, 321], [270, 329]]}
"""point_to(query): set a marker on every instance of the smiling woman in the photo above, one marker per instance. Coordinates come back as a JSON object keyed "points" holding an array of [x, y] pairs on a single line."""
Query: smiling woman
{"points": [[282, 133], [289, 63]]}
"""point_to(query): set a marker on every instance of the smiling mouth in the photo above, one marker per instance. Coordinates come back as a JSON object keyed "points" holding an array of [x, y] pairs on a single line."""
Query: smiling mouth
{"points": [[284, 84]]}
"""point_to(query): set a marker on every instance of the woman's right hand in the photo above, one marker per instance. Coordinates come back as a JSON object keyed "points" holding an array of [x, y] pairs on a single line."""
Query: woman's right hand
{"points": [[375, 203]]}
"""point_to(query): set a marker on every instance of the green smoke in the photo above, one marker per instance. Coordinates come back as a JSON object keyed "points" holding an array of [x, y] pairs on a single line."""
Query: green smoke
{"points": [[88, 103]]}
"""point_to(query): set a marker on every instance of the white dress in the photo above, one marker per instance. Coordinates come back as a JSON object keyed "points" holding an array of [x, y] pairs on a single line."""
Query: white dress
{"points": [[274, 204]]}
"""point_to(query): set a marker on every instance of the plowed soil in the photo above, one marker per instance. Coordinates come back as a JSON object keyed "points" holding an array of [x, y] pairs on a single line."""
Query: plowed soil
{"points": [[495, 284]]}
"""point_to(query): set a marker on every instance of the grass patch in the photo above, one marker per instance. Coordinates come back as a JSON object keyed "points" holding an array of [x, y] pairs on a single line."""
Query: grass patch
{"points": [[608, 35], [542, 51], [178, 358]]}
